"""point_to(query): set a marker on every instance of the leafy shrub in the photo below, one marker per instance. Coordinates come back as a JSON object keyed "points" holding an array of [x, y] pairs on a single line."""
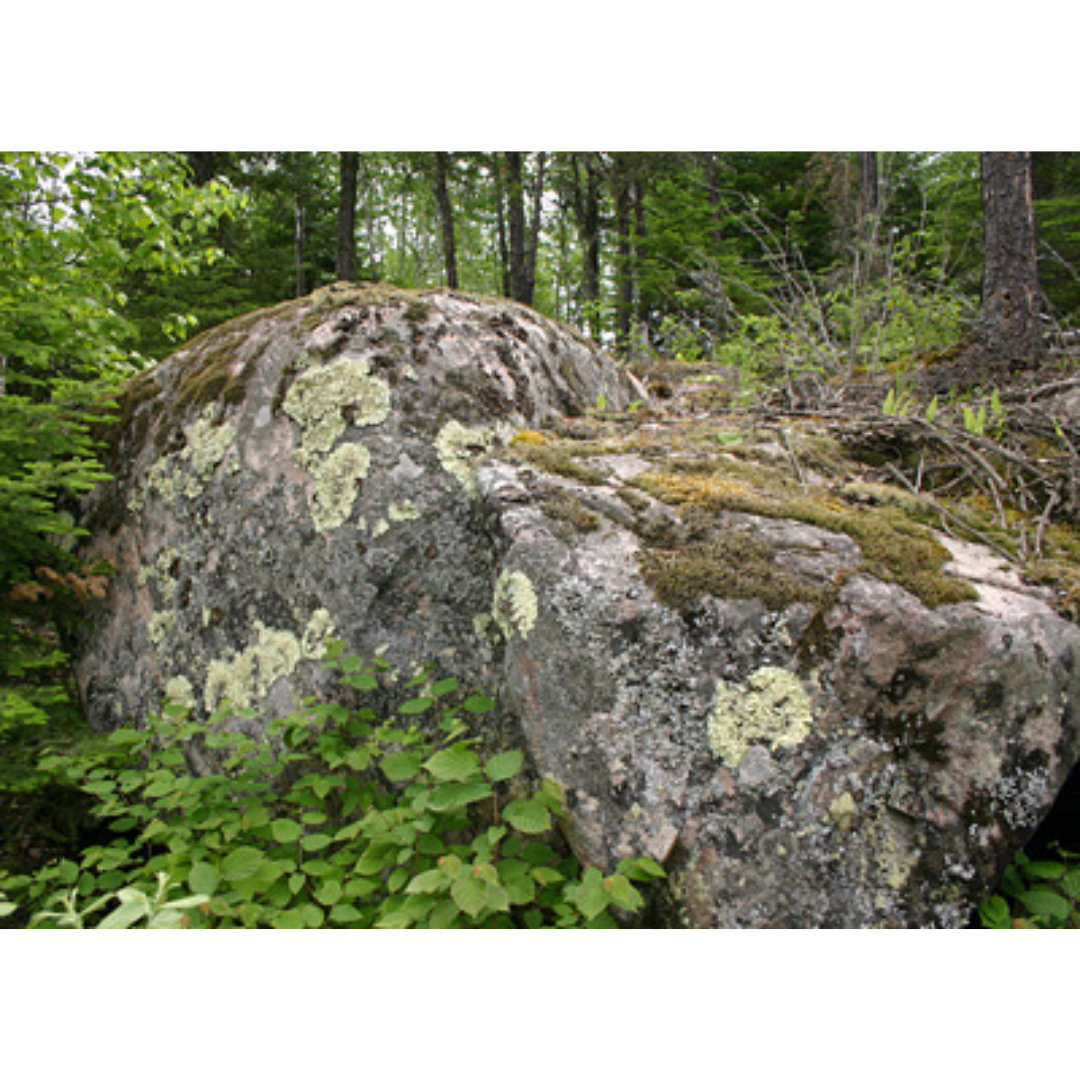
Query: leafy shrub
{"points": [[334, 818], [1035, 894]]}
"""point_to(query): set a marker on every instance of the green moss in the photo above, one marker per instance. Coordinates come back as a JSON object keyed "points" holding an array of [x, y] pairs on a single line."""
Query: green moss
{"points": [[556, 458], [894, 548], [734, 566], [563, 507], [215, 372]]}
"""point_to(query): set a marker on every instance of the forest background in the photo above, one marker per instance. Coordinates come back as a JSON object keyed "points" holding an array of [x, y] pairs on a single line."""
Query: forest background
{"points": [[786, 265]]}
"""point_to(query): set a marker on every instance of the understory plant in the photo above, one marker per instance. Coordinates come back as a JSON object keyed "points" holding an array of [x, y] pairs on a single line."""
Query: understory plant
{"points": [[1036, 894], [340, 816]]}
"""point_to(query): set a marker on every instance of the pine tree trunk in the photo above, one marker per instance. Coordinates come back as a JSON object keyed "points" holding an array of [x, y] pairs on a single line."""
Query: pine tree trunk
{"points": [[1010, 331], [446, 216], [516, 194], [346, 251]]}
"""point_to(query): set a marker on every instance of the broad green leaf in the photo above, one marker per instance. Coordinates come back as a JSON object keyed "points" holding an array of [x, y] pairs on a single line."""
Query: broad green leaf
{"points": [[623, 893], [504, 766], [126, 915], [1044, 871], [416, 705], [453, 796], [316, 841], [444, 915], [329, 892], [590, 896], [428, 882], [1045, 902], [444, 686], [361, 682], [203, 878], [454, 763], [241, 863], [528, 815], [291, 919], [642, 868], [470, 894], [345, 913], [478, 704], [399, 766], [285, 830]]}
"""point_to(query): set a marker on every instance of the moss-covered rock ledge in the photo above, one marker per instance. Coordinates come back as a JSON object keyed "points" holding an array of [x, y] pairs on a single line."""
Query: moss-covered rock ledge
{"points": [[773, 676], [730, 651]]}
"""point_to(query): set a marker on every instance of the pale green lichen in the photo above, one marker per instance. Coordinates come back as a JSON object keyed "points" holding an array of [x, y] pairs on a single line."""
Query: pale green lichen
{"points": [[337, 484], [249, 676], [207, 444], [770, 707], [459, 445], [160, 575], [180, 692], [325, 400], [403, 511], [514, 607], [317, 634], [186, 474], [842, 811]]}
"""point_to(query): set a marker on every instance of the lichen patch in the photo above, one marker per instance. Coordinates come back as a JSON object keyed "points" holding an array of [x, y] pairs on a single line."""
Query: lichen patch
{"points": [[338, 479], [514, 607], [248, 677], [325, 400], [458, 446], [771, 707]]}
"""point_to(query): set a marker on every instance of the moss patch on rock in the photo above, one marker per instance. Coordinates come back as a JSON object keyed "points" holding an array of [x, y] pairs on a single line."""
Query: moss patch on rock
{"points": [[735, 566]]}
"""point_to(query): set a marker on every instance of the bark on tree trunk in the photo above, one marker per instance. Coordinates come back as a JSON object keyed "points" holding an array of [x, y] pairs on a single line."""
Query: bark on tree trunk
{"points": [[446, 215], [346, 251], [516, 194], [1010, 331]]}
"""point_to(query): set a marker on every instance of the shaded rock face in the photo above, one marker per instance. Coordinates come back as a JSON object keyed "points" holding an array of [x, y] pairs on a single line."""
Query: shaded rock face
{"points": [[811, 715]]}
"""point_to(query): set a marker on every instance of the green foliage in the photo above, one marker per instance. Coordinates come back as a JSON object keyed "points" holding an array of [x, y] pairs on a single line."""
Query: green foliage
{"points": [[339, 817], [1041, 894], [74, 230]]}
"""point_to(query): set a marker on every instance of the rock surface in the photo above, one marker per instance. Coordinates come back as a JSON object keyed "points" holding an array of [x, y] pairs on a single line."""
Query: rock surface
{"points": [[805, 705]]}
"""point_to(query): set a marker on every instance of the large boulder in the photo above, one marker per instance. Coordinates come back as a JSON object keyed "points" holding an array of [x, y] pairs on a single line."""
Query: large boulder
{"points": [[809, 707], [304, 472]]}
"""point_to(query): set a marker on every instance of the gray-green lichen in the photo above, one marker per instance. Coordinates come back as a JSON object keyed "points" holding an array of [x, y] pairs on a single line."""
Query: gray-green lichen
{"points": [[514, 607], [325, 400], [337, 483], [247, 678], [180, 692], [458, 445], [186, 474], [770, 707], [317, 634]]}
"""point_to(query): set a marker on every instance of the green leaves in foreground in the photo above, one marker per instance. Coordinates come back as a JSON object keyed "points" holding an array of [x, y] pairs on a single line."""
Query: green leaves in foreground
{"points": [[1036, 895], [352, 824]]}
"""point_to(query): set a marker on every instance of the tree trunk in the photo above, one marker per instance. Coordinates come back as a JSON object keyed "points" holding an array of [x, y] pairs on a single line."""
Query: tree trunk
{"points": [[446, 216], [203, 165], [869, 185], [516, 198], [585, 200], [346, 250], [1010, 331], [533, 239]]}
